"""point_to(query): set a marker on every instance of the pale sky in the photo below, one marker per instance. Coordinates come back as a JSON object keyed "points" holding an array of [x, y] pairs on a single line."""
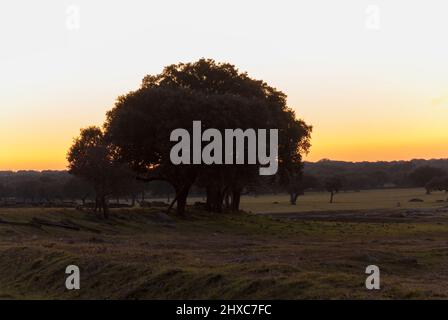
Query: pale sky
{"points": [[370, 76]]}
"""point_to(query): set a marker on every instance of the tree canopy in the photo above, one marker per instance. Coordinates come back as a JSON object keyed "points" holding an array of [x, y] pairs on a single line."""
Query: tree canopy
{"points": [[221, 97], [422, 175], [91, 158]]}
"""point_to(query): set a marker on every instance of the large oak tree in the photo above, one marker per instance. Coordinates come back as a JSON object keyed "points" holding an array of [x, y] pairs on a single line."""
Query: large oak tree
{"points": [[221, 97]]}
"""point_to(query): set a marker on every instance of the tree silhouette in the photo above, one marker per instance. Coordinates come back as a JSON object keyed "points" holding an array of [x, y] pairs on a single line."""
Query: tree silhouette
{"points": [[437, 183], [220, 97], [333, 185], [91, 158], [422, 175]]}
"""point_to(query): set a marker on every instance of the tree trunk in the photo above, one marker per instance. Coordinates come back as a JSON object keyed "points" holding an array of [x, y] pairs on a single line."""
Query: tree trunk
{"points": [[227, 200], [209, 202], [181, 198], [293, 198], [105, 207], [331, 197], [219, 200], [212, 198], [181, 202], [215, 198], [236, 198], [97, 204], [133, 201]]}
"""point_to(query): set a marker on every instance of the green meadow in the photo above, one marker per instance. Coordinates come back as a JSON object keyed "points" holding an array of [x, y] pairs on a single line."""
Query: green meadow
{"points": [[363, 200], [286, 253]]}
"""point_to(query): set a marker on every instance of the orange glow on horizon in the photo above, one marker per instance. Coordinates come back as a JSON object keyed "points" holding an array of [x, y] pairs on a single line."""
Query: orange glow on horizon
{"points": [[369, 94], [54, 157]]}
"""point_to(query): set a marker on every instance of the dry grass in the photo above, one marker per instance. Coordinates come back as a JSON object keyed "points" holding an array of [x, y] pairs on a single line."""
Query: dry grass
{"points": [[364, 200], [135, 255]]}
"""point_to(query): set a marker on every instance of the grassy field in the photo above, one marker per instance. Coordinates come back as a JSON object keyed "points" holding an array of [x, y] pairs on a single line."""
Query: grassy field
{"points": [[366, 199], [144, 254]]}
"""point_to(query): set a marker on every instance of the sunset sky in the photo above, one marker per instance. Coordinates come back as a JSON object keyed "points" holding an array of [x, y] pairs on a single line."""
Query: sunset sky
{"points": [[372, 90]]}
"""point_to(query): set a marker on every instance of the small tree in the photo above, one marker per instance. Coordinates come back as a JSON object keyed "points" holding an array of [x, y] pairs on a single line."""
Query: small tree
{"points": [[333, 185], [91, 158], [437, 183], [422, 175], [298, 184]]}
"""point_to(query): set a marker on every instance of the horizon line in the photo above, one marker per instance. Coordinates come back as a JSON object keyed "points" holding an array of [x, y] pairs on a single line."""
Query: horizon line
{"points": [[321, 160]]}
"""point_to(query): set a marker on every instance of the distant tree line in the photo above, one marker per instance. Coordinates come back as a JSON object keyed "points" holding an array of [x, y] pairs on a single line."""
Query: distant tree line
{"points": [[332, 176], [58, 187], [373, 175]]}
